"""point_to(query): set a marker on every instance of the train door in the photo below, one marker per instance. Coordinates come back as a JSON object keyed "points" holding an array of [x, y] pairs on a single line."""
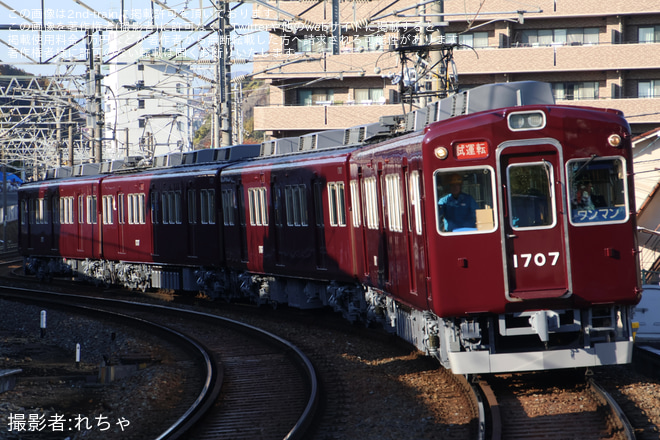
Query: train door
{"points": [[319, 225], [277, 203], [191, 224], [240, 194], [533, 224]]}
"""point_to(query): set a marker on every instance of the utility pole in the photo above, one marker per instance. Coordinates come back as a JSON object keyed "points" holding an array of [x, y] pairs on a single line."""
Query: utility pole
{"points": [[223, 111], [94, 107]]}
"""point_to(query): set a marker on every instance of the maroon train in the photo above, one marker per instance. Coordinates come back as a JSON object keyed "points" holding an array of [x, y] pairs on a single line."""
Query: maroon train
{"points": [[544, 277]]}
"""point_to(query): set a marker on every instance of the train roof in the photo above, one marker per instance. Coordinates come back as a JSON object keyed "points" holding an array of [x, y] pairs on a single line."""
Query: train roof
{"points": [[486, 97]]}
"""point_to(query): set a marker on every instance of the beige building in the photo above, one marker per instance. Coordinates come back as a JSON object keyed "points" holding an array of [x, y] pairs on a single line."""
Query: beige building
{"points": [[602, 54]]}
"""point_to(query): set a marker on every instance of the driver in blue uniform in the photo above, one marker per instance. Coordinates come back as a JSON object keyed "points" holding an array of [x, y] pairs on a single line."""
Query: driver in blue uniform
{"points": [[457, 208]]}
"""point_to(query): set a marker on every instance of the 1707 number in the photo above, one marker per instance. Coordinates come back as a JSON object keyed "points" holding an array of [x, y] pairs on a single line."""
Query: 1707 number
{"points": [[538, 260]]}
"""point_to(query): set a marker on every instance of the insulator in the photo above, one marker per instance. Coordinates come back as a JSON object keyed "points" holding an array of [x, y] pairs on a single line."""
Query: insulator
{"points": [[238, 78], [240, 61]]}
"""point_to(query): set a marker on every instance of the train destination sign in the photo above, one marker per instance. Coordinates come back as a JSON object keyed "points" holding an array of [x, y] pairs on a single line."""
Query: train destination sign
{"points": [[471, 150]]}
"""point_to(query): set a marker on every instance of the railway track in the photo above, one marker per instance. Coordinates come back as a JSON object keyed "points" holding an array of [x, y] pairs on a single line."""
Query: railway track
{"points": [[551, 405], [239, 397]]}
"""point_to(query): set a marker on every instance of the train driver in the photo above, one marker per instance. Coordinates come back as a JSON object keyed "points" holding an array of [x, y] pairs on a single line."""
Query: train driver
{"points": [[457, 208]]}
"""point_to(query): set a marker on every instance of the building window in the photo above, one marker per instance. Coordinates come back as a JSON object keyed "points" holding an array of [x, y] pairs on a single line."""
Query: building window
{"points": [[141, 123], [336, 204], [648, 89], [140, 67], [314, 44], [368, 43], [548, 37], [315, 96], [474, 40], [572, 91], [140, 103], [367, 96], [649, 34]]}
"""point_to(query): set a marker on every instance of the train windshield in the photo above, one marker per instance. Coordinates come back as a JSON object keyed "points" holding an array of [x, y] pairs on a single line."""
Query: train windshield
{"points": [[464, 200], [597, 191], [531, 195]]}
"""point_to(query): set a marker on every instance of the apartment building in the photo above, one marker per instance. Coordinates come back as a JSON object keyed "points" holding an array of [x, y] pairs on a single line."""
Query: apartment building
{"points": [[601, 54]]}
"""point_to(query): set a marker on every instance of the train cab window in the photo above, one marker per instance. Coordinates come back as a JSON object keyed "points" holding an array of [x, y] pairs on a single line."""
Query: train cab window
{"points": [[337, 207], [464, 200], [531, 194], [597, 191]]}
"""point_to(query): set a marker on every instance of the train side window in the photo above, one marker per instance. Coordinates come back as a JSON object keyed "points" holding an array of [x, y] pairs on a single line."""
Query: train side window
{"points": [[228, 206], [121, 211], [55, 209], [258, 206], [192, 207], [24, 212], [66, 210], [136, 214], [415, 201], [464, 200], [296, 205], [355, 205], [92, 215], [336, 204], [393, 197], [108, 203], [370, 202], [531, 195], [598, 192], [207, 198], [318, 203], [81, 209]]}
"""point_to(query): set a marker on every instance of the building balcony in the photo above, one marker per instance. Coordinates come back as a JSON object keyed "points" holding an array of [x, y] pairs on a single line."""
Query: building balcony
{"points": [[320, 117], [345, 65], [558, 59]]}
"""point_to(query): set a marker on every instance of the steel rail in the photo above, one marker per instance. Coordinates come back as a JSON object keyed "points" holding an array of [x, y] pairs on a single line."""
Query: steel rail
{"points": [[212, 386]]}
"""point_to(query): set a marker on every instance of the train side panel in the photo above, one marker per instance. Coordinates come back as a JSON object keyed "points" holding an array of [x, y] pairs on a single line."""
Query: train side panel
{"points": [[390, 178], [127, 228]]}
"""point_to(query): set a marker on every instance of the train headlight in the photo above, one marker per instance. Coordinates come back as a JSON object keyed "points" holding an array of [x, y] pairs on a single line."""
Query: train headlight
{"points": [[614, 140], [521, 121], [441, 153]]}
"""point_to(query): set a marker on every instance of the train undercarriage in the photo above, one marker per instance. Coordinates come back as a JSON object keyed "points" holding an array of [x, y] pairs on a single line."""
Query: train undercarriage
{"points": [[534, 340]]}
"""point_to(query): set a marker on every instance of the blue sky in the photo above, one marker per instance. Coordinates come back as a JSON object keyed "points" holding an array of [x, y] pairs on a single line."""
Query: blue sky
{"points": [[24, 46]]}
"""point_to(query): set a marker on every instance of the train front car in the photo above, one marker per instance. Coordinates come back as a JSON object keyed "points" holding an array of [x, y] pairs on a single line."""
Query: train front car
{"points": [[531, 229]]}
